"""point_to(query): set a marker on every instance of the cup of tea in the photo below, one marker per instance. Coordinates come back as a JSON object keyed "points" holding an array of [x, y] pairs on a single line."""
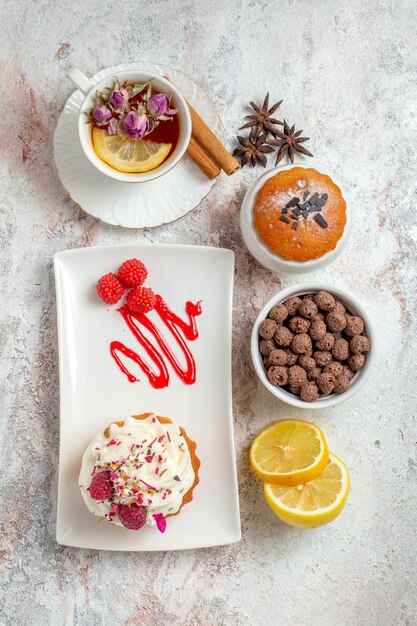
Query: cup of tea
{"points": [[136, 136]]}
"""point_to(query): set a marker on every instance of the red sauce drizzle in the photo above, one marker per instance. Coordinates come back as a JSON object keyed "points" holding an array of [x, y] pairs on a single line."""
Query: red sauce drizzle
{"points": [[160, 379]]}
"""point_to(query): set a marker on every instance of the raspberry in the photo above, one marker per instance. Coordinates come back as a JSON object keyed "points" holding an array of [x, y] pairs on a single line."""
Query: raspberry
{"points": [[132, 516], [132, 273], [110, 289], [141, 300], [101, 487]]}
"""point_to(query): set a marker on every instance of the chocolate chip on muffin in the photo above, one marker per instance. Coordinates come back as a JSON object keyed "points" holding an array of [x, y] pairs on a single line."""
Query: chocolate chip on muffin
{"points": [[301, 343], [297, 376], [283, 336], [278, 313], [267, 329], [277, 357], [325, 301], [359, 344], [278, 375], [265, 346], [292, 305], [299, 324]]}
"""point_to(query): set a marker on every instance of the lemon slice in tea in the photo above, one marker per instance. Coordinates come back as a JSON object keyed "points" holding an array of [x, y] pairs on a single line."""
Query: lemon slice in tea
{"points": [[129, 155]]}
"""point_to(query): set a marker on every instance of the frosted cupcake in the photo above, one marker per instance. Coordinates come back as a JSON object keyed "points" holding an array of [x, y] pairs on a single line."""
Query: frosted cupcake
{"points": [[140, 471]]}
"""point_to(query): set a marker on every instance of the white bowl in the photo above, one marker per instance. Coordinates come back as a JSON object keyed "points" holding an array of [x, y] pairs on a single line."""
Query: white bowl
{"points": [[353, 306], [131, 76], [262, 253]]}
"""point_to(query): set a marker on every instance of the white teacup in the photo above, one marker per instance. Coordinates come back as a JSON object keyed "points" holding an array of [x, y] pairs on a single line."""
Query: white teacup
{"points": [[85, 85]]}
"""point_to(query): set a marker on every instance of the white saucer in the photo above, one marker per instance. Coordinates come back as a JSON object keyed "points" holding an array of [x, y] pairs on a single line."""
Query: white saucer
{"points": [[133, 205]]}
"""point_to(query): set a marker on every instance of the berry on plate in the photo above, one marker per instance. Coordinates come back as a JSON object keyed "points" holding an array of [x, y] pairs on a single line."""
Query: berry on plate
{"points": [[110, 289], [132, 273], [141, 300]]}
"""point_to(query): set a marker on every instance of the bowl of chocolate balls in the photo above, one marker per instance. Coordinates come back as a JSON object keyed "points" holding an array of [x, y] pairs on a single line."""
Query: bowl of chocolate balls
{"points": [[313, 346]]}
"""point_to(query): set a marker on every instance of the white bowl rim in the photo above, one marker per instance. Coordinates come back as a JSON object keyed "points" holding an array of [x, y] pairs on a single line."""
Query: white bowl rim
{"points": [[167, 165], [353, 306], [281, 264]]}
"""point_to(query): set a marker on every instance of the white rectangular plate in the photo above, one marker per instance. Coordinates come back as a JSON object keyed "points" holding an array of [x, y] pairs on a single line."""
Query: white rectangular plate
{"points": [[95, 392]]}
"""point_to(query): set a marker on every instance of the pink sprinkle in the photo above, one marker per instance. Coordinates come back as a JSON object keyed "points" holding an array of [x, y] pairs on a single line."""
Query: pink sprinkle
{"points": [[157, 470], [151, 444], [161, 438], [169, 439], [149, 501], [149, 459], [118, 443], [146, 484], [164, 496], [153, 420], [112, 442], [161, 522], [94, 471]]}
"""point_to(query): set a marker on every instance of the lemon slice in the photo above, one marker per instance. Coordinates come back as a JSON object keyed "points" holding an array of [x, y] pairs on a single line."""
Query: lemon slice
{"points": [[289, 452], [129, 155], [315, 503]]}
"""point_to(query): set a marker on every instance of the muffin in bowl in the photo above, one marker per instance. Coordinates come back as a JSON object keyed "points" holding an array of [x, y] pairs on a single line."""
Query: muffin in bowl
{"points": [[295, 219]]}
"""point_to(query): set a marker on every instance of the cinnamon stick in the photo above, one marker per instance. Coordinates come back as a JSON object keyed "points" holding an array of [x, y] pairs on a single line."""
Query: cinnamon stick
{"points": [[202, 159], [211, 144]]}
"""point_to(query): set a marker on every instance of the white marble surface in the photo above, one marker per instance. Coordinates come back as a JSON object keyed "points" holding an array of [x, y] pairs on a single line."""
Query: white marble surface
{"points": [[347, 73]]}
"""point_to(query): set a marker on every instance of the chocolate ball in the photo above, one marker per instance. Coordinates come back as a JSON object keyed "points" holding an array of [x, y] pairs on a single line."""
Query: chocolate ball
{"points": [[267, 329], [348, 372], [265, 346], [301, 343], [359, 344], [299, 324], [278, 375], [278, 313], [266, 362], [292, 305], [294, 390], [326, 343], [320, 316], [354, 325], [306, 362], [335, 322], [291, 357], [314, 373], [326, 382], [308, 309], [277, 357], [322, 357], [318, 329], [325, 301], [334, 368], [356, 362], [342, 383], [297, 376], [309, 392], [283, 336], [339, 308], [340, 349]]}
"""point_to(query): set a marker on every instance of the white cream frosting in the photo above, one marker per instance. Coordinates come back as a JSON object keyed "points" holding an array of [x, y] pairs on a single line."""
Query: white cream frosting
{"points": [[150, 464]]}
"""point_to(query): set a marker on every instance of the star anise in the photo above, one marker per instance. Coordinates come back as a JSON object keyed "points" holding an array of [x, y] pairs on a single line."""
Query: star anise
{"points": [[262, 119], [289, 142], [253, 149]]}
